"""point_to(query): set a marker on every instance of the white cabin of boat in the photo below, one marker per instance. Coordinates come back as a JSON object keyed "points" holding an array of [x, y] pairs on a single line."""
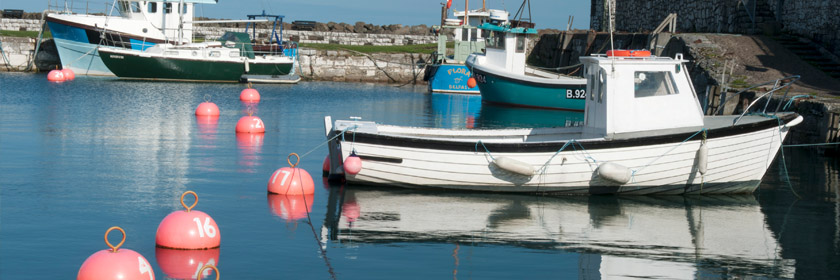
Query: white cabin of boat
{"points": [[506, 47], [629, 94], [468, 39], [166, 15]]}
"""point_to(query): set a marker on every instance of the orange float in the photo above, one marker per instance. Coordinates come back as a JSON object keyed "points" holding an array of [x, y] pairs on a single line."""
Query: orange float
{"points": [[291, 180], [188, 229], [115, 263], [249, 95], [471, 82], [55, 76]]}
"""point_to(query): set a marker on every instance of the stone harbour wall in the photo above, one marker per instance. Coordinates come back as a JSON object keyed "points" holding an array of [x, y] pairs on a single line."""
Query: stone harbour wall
{"points": [[346, 66], [19, 24], [327, 37], [816, 20], [18, 52]]}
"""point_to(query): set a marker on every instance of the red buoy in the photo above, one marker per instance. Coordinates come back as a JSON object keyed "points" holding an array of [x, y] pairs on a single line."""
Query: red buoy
{"points": [[190, 229], [353, 164], [184, 264], [471, 82], [207, 109], [291, 180], [290, 207], [326, 167], [115, 263], [249, 95], [250, 124], [55, 76], [68, 74]]}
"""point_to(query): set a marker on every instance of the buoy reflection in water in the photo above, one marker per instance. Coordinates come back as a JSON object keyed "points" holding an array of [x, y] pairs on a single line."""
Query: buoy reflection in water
{"points": [[184, 264]]}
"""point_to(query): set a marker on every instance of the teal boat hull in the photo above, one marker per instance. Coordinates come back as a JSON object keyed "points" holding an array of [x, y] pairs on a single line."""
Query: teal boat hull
{"points": [[511, 91]]}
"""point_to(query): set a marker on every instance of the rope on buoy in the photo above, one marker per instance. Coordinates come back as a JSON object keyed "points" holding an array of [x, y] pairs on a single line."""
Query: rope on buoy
{"points": [[114, 248]]}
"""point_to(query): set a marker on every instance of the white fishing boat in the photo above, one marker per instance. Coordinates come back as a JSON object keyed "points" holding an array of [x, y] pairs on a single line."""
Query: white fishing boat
{"points": [[644, 132], [669, 237], [135, 25]]}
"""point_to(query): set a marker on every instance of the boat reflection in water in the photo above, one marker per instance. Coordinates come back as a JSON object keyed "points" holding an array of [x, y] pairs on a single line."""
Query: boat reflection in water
{"points": [[672, 237], [468, 112]]}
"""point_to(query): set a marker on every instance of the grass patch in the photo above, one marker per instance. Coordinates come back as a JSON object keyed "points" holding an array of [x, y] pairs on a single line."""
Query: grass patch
{"points": [[424, 48], [30, 34]]}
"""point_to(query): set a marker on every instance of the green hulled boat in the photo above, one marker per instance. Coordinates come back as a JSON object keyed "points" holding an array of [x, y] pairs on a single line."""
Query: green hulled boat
{"points": [[225, 60]]}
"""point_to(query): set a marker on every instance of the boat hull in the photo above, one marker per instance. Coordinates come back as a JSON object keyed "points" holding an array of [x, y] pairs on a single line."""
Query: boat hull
{"points": [[450, 78], [77, 46], [511, 90], [136, 66], [738, 157]]}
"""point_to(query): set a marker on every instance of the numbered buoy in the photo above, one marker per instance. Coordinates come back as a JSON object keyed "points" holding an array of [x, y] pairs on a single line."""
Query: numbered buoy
{"points": [[205, 270], [185, 264], [352, 164], [290, 207], [291, 180], [250, 124], [325, 168], [68, 74], [471, 82], [188, 229], [249, 95], [55, 76], [116, 263]]}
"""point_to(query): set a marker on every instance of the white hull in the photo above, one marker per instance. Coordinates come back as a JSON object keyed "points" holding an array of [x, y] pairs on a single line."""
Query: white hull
{"points": [[736, 163]]}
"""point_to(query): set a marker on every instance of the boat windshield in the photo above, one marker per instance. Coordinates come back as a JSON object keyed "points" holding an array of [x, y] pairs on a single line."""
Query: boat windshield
{"points": [[126, 8]]}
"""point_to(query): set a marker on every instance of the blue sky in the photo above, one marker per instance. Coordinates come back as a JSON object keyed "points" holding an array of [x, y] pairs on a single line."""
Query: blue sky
{"points": [[545, 13]]}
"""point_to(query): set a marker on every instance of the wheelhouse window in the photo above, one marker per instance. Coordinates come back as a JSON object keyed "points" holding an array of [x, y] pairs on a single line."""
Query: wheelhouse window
{"points": [[520, 43], [167, 8], [152, 7], [135, 7], [496, 40], [184, 9], [647, 84]]}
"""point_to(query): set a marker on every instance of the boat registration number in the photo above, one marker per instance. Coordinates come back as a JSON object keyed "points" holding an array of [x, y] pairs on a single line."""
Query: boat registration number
{"points": [[575, 94]]}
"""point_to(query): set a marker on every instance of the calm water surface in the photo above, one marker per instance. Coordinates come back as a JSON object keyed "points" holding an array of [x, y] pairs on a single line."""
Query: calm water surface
{"points": [[79, 157]]}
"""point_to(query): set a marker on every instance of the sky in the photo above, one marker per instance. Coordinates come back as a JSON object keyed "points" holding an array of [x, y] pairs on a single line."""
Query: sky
{"points": [[545, 13]]}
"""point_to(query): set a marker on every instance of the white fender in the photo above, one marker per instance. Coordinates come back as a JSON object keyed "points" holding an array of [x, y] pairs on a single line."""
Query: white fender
{"points": [[247, 67], [514, 166], [614, 172], [703, 158]]}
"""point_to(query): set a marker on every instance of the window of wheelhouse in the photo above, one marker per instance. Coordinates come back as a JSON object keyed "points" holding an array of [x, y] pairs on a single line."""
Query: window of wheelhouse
{"points": [[496, 40], [167, 8], [654, 83], [152, 7], [184, 9], [520, 43]]}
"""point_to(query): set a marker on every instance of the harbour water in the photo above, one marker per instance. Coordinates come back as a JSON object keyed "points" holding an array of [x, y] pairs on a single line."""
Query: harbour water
{"points": [[79, 157]]}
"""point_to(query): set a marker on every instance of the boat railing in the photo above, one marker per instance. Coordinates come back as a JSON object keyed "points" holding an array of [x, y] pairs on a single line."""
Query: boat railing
{"points": [[79, 7], [778, 84]]}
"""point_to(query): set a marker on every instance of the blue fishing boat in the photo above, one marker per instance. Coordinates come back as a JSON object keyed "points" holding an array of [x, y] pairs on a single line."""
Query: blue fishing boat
{"points": [[447, 74], [503, 77]]}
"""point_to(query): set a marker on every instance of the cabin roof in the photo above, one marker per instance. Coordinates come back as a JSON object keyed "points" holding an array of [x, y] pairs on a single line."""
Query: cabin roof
{"points": [[517, 30]]}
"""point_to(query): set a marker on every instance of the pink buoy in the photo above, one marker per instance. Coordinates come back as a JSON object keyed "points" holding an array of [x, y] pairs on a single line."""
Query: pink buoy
{"points": [[249, 95], [207, 109], [188, 229], [291, 180], [116, 263], [250, 124], [352, 164], [326, 167], [471, 82], [184, 264], [68, 74], [290, 207], [55, 76]]}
